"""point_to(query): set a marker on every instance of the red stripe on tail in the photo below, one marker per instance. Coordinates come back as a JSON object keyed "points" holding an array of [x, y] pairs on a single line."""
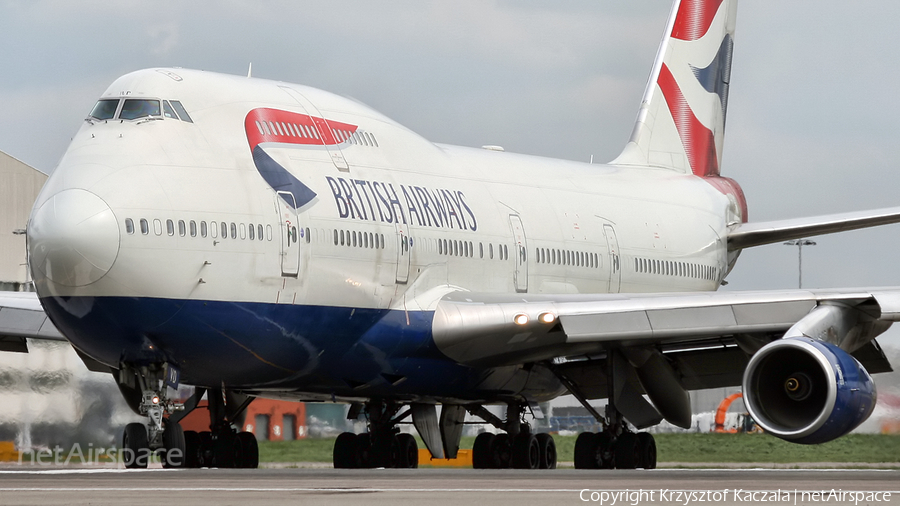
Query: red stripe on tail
{"points": [[694, 18], [698, 141]]}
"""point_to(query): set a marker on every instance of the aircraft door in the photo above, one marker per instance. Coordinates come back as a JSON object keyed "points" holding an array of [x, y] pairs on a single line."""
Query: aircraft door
{"points": [[615, 264], [404, 243], [290, 244], [521, 253]]}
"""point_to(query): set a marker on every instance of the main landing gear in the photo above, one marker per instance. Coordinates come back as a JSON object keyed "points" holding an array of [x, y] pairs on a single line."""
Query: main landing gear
{"points": [[518, 448], [383, 446], [222, 446], [615, 447]]}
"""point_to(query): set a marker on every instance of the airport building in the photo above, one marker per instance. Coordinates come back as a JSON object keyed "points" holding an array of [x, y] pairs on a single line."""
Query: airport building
{"points": [[19, 187]]}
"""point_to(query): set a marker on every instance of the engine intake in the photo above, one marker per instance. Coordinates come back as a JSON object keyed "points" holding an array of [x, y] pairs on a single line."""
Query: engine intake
{"points": [[807, 391]]}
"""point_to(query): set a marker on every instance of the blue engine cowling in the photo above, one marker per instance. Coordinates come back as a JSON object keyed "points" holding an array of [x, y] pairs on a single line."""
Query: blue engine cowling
{"points": [[807, 391]]}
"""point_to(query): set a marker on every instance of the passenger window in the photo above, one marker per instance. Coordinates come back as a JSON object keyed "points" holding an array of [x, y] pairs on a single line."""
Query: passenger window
{"points": [[224, 230], [181, 228], [213, 229], [202, 229], [268, 232], [308, 238], [157, 226], [342, 237], [481, 250], [170, 227], [259, 231], [145, 227], [139, 108], [105, 109], [243, 231], [129, 226], [335, 237], [233, 230], [491, 250], [181, 112], [252, 232], [193, 227]]}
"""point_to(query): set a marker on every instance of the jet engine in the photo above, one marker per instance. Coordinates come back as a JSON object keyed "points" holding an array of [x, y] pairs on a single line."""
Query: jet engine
{"points": [[807, 391]]}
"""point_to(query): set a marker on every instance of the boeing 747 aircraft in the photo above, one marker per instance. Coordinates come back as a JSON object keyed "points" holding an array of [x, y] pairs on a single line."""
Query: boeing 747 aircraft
{"points": [[256, 238]]}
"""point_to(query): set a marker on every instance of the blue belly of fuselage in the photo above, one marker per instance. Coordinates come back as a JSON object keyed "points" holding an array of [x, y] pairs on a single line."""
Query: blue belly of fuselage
{"points": [[336, 351]]}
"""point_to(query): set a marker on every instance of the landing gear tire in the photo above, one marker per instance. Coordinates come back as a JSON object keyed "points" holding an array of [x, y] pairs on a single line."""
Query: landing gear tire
{"points": [[482, 454], [627, 452], [525, 451], [408, 451], [606, 456], [246, 451], [364, 449], [647, 450], [547, 451], [502, 451], [205, 451], [191, 449], [175, 447], [587, 454], [136, 448], [345, 454], [223, 451]]}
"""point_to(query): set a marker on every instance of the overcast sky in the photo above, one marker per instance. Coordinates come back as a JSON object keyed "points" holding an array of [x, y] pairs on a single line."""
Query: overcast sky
{"points": [[812, 120]]}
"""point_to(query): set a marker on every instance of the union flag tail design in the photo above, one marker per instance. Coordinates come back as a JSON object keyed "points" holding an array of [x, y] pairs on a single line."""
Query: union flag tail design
{"points": [[681, 123]]}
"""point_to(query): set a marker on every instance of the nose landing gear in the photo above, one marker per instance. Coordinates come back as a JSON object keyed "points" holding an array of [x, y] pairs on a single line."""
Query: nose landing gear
{"points": [[145, 391]]}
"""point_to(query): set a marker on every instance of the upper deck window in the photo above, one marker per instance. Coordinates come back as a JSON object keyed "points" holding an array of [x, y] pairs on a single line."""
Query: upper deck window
{"points": [[135, 108], [105, 109]]}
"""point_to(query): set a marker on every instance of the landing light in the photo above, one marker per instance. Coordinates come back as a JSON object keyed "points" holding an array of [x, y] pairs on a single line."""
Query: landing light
{"points": [[521, 319], [547, 317], [155, 399]]}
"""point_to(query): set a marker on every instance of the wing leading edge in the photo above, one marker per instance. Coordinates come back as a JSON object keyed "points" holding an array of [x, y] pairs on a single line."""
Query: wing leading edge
{"points": [[482, 329], [21, 317]]}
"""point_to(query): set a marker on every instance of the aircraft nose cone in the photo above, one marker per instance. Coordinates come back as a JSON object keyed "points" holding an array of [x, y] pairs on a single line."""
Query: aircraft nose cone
{"points": [[73, 238]]}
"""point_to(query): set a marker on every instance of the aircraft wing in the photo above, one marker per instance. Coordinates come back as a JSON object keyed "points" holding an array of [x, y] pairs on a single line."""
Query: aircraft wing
{"points": [[767, 232], [21, 317], [480, 329], [661, 345]]}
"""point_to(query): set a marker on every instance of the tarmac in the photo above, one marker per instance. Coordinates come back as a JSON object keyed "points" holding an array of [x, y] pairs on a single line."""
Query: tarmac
{"points": [[96, 485]]}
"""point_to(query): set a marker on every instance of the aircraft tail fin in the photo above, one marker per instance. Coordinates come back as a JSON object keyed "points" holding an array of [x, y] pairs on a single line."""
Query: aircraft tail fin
{"points": [[681, 122]]}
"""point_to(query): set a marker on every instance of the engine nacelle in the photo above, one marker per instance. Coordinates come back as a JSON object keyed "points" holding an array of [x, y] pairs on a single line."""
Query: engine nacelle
{"points": [[807, 391]]}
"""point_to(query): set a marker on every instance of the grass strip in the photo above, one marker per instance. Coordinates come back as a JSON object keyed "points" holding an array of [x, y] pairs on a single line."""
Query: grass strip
{"points": [[726, 448]]}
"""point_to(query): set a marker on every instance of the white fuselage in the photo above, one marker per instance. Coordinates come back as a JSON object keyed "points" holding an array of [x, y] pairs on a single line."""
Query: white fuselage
{"points": [[396, 223]]}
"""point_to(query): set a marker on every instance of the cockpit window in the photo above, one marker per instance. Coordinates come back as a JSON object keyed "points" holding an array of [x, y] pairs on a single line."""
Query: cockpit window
{"points": [[168, 111], [105, 109], [181, 112], [139, 108]]}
